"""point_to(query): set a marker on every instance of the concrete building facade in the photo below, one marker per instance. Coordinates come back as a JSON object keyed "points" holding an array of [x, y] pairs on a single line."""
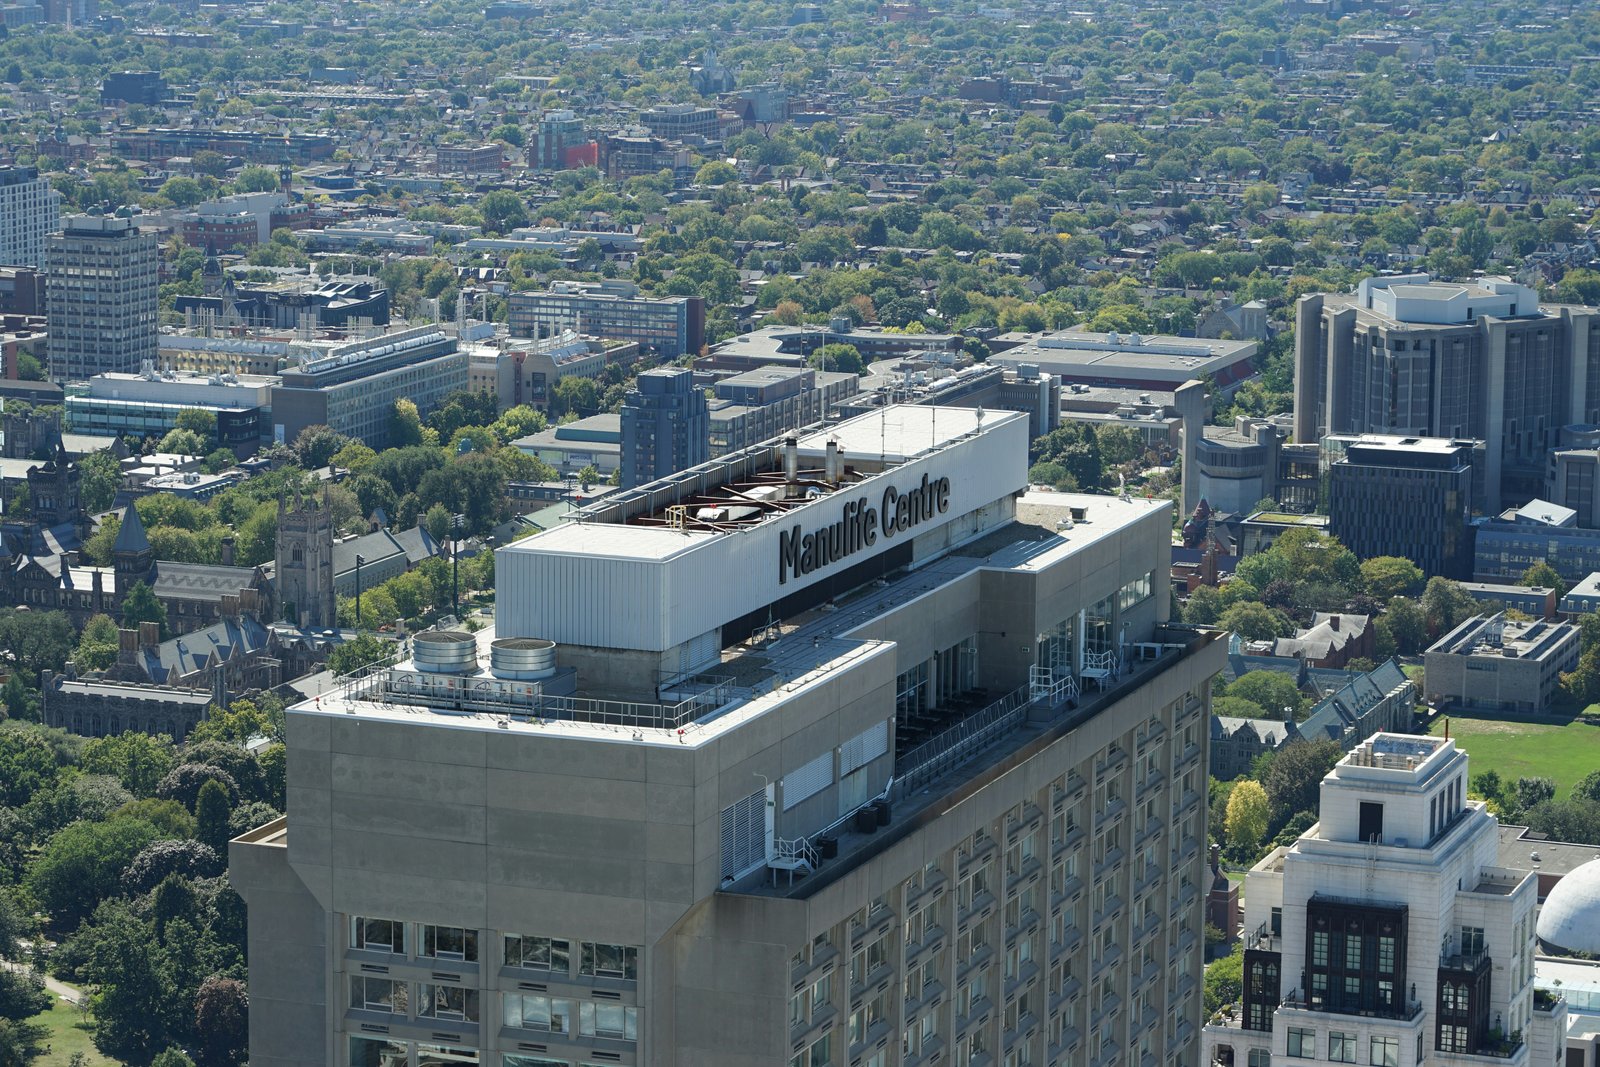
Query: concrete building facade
{"points": [[354, 386], [102, 298], [30, 209], [665, 426], [1412, 357], [685, 843], [666, 327], [1490, 661]]}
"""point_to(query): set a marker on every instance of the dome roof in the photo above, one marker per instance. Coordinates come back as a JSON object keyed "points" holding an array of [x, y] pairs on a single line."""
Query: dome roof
{"points": [[1570, 918]]}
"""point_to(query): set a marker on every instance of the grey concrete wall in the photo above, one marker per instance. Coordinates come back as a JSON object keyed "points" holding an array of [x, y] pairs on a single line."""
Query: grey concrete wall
{"points": [[288, 936]]}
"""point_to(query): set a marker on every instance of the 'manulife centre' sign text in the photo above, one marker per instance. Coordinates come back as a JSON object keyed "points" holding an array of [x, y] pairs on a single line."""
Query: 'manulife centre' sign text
{"points": [[801, 552]]}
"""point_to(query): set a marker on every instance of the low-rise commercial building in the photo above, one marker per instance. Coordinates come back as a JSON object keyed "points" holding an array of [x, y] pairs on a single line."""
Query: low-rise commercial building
{"points": [[1538, 532], [665, 327], [760, 405], [147, 404], [353, 387], [1490, 661]]}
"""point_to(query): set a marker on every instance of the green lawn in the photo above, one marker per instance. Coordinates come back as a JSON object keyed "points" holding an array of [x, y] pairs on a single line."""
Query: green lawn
{"points": [[69, 1034], [1560, 747]]}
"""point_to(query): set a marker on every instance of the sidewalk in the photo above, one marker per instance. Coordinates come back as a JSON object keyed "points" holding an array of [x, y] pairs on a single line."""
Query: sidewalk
{"points": [[59, 989]]}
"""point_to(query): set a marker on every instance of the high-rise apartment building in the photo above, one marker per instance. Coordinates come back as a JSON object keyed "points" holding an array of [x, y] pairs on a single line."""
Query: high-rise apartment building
{"points": [[1388, 934], [666, 427], [1405, 496], [558, 131], [30, 208], [855, 753], [102, 298], [1482, 360]]}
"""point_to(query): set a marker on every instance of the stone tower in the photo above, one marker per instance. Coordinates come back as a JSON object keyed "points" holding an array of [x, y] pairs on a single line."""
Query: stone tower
{"points": [[305, 562], [132, 558]]}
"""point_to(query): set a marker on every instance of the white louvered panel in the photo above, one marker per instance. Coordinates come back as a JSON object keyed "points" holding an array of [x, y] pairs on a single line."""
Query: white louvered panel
{"points": [[744, 835], [865, 747], [808, 780]]}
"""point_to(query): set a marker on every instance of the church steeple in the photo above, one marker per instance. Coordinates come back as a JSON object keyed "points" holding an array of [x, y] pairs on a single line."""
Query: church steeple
{"points": [[131, 555]]}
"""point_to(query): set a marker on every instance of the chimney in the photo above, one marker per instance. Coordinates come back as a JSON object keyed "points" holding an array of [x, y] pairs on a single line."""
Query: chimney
{"points": [[249, 601], [230, 605], [831, 467], [1333, 623], [227, 551], [791, 465], [149, 634]]}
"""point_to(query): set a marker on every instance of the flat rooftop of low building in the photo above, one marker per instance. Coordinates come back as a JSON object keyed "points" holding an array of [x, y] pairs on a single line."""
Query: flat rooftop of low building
{"points": [[1087, 351], [1522, 847], [1442, 446], [1589, 586], [1500, 638]]}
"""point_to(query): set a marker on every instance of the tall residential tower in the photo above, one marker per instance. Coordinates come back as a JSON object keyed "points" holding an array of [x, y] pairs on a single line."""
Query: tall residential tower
{"points": [[852, 753]]}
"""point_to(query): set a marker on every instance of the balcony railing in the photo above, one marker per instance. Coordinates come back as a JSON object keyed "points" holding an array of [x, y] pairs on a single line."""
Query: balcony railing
{"points": [[963, 740]]}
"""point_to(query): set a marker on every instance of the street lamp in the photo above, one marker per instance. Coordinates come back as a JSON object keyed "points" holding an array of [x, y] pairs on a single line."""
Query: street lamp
{"points": [[360, 559], [455, 563]]}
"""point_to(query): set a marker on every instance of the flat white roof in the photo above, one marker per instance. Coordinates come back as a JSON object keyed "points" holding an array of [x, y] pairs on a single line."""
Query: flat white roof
{"points": [[898, 433], [606, 540]]}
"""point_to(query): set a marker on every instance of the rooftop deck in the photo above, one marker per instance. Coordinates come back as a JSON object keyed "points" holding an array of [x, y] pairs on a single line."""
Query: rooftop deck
{"points": [[1040, 725]]}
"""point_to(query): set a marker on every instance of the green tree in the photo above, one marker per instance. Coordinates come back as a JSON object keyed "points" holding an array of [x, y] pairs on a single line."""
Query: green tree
{"points": [[97, 647], [183, 192], [1544, 576], [1271, 691], [437, 522], [317, 445], [502, 210], [1247, 818], [1254, 622], [198, 421], [574, 396], [365, 650], [138, 760], [836, 357], [256, 180], [36, 640], [130, 1009], [211, 813], [83, 864], [1587, 787], [1386, 577], [1224, 981], [1407, 623], [141, 605], [101, 476], [1293, 778], [183, 443], [1446, 604]]}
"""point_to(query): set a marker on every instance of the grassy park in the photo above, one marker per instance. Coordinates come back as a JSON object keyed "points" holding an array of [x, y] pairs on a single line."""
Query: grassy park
{"points": [[1562, 747], [69, 1033]]}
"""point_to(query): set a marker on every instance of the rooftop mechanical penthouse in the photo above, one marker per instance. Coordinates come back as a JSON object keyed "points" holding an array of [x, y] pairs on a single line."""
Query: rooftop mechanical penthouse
{"points": [[848, 749]]}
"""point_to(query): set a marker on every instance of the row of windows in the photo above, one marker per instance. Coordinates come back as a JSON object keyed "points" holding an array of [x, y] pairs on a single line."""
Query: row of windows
{"points": [[381, 1052], [1344, 1047], [595, 959], [555, 1015]]}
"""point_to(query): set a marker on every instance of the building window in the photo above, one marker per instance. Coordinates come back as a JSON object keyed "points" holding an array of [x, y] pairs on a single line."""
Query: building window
{"points": [[1259, 1057], [538, 1013], [1472, 940], [377, 935], [1352, 951], [817, 1054], [1319, 948], [1385, 1052], [608, 1020], [609, 961], [1341, 1046], [1386, 954], [378, 994], [447, 943], [512, 1060], [1302, 1043], [375, 1052], [447, 1002], [538, 953]]}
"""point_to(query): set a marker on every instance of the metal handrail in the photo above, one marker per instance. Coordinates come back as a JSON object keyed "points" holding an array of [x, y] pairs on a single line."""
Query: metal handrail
{"points": [[795, 848], [963, 740]]}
